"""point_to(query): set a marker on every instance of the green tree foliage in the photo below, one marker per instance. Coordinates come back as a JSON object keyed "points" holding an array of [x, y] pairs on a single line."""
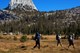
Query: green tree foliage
{"points": [[64, 21], [23, 39]]}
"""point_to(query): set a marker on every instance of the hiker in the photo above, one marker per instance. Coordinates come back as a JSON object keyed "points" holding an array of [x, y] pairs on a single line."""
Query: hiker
{"points": [[58, 39], [70, 40], [37, 40]]}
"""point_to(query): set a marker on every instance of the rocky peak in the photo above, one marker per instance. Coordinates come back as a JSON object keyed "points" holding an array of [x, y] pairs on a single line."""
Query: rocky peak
{"points": [[24, 4]]}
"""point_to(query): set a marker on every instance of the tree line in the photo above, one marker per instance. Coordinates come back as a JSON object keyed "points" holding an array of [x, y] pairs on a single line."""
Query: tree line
{"points": [[63, 22]]}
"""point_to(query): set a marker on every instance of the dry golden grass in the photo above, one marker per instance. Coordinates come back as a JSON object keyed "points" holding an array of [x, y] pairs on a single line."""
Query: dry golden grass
{"points": [[48, 45]]}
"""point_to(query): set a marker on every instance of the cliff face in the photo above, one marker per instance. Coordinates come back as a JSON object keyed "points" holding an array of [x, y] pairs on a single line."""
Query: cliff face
{"points": [[24, 4]]}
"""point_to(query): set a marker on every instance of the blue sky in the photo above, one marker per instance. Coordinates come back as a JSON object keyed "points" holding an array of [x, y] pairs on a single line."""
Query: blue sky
{"points": [[48, 5]]}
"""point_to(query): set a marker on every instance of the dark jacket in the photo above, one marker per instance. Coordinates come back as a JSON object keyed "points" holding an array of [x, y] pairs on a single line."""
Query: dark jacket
{"points": [[37, 36], [57, 37]]}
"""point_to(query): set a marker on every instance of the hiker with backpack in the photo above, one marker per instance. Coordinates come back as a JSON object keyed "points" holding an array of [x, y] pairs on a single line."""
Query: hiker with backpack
{"points": [[58, 37], [37, 40], [70, 40]]}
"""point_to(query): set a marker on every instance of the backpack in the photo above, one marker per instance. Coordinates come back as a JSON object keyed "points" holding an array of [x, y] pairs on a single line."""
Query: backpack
{"points": [[71, 37], [38, 36]]}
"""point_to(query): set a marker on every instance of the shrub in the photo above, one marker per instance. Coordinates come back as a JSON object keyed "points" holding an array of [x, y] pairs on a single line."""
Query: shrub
{"points": [[32, 38], [15, 38], [1, 37], [8, 38], [23, 39]]}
